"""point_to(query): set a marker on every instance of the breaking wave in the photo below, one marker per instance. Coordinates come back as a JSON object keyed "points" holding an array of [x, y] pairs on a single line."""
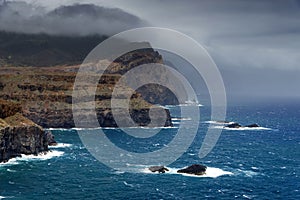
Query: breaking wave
{"points": [[60, 145], [211, 172], [26, 158], [241, 128]]}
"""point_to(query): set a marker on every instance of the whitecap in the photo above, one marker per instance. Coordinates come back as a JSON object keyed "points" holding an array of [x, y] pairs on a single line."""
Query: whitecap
{"points": [[241, 128], [181, 119], [219, 122], [163, 127], [128, 184], [247, 128], [109, 128], [185, 104], [42, 156], [247, 196], [211, 172], [8, 197], [60, 145], [12, 161], [11, 170], [248, 173]]}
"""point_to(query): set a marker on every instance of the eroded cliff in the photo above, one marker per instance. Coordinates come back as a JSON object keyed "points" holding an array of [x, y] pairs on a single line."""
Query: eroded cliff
{"points": [[45, 93], [19, 135]]}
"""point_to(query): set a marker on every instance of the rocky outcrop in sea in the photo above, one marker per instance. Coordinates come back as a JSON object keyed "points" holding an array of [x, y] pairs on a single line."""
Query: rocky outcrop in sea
{"points": [[195, 169]]}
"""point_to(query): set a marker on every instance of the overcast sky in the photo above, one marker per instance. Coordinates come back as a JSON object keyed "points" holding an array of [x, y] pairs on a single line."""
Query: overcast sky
{"points": [[255, 43]]}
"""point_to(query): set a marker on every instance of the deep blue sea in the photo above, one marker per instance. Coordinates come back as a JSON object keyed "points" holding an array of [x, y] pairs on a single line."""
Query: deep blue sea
{"points": [[245, 164]]}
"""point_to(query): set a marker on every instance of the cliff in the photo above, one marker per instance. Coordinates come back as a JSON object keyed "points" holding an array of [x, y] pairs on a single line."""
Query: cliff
{"points": [[19, 135], [45, 93]]}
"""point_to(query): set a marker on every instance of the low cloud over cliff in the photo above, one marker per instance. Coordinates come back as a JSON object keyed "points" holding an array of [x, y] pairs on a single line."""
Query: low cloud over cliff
{"points": [[75, 20]]}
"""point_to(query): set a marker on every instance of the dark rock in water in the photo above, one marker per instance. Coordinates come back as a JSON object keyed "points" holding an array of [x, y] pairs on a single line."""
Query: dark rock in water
{"points": [[160, 169], [194, 169], [253, 126], [50, 138], [234, 125]]}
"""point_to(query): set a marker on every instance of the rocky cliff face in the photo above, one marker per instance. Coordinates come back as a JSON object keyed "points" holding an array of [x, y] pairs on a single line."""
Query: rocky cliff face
{"points": [[45, 93], [19, 135]]}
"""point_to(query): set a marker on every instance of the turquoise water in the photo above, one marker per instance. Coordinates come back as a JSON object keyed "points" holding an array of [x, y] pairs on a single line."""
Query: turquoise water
{"points": [[245, 164]]}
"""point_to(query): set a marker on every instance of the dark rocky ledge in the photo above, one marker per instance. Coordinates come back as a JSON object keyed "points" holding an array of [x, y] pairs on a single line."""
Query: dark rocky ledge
{"points": [[195, 169], [159, 169], [19, 135]]}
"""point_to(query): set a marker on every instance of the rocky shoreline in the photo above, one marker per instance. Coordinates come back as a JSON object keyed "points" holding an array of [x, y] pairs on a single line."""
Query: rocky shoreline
{"points": [[18, 134], [33, 98]]}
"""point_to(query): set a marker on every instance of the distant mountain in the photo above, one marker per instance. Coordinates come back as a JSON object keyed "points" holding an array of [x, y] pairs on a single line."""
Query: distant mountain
{"points": [[71, 20], [34, 36], [17, 49], [94, 12]]}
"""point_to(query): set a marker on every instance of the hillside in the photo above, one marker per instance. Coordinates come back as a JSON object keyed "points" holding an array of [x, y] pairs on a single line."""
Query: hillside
{"points": [[39, 71], [41, 50], [45, 93]]}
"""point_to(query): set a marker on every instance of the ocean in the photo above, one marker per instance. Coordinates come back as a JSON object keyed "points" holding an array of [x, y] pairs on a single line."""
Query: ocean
{"points": [[257, 163]]}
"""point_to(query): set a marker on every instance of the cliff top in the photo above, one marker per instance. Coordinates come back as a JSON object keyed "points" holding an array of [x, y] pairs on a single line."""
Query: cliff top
{"points": [[10, 115], [16, 120], [9, 108]]}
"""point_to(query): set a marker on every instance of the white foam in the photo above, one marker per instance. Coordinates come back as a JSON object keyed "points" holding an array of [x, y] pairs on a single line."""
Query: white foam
{"points": [[109, 128], [248, 173], [42, 156], [184, 104], [128, 184], [11, 170], [57, 129], [181, 119], [247, 197], [219, 122], [211, 172], [247, 128], [12, 161], [2, 197], [145, 127], [191, 104], [60, 145], [241, 128]]}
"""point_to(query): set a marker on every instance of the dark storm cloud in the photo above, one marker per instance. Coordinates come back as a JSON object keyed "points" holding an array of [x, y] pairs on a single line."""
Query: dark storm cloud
{"points": [[78, 19], [256, 44]]}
